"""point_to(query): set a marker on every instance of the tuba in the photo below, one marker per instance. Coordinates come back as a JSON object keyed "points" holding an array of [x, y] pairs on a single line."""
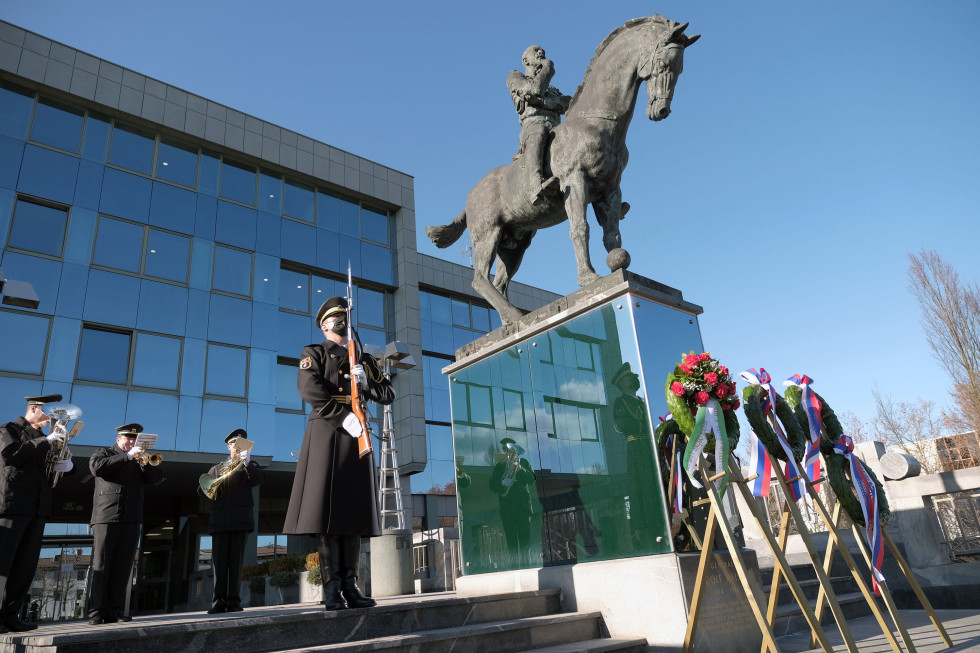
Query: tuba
{"points": [[60, 413], [211, 486], [513, 466]]}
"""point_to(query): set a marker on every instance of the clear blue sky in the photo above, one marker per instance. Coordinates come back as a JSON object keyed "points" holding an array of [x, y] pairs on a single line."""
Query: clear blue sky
{"points": [[811, 145]]}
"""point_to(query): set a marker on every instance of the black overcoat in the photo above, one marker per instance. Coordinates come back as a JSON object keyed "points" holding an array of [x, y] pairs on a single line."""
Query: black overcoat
{"points": [[119, 484], [24, 486], [334, 491], [234, 509]]}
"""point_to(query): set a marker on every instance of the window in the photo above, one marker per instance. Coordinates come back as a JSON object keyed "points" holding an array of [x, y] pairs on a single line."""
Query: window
{"points": [[304, 292], [177, 163], [270, 192], [294, 291], [38, 228], [374, 225], [15, 111], [57, 126], [156, 363], [298, 201], [141, 250], [24, 339], [104, 355], [131, 149], [227, 371], [238, 183], [450, 323], [287, 396], [232, 271]]}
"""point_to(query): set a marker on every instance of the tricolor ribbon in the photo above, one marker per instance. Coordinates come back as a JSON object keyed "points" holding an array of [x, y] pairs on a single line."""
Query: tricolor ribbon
{"points": [[760, 461], [812, 406], [867, 494], [709, 419]]}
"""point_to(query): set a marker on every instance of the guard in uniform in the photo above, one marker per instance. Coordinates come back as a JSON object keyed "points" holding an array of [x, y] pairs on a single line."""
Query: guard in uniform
{"points": [[232, 519], [25, 503], [335, 493], [117, 513]]}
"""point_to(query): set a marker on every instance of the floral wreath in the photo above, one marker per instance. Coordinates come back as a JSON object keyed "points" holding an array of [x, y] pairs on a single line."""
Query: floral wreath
{"points": [[702, 399]]}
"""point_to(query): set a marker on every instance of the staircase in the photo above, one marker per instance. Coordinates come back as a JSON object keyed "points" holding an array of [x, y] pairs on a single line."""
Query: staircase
{"points": [[789, 616], [519, 621]]}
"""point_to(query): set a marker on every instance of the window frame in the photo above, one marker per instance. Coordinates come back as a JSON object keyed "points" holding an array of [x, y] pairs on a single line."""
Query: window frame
{"points": [[144, 250]]}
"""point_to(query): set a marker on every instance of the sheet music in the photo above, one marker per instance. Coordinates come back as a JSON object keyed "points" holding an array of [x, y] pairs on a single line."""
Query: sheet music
{"points": [[146, 440]]}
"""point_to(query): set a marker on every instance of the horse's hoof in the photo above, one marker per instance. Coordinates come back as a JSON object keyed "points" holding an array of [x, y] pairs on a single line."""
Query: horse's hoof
{"points": [[618, 259]]}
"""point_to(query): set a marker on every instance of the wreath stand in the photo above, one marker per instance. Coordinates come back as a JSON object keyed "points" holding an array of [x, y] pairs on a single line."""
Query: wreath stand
{"points": [[833, 529], [716, 520]]}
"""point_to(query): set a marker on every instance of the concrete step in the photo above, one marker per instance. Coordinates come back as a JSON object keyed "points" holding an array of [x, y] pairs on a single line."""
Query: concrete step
{"points": [[598, 646], [530, 633], [790, 619], [840, 585], [268, 629]]}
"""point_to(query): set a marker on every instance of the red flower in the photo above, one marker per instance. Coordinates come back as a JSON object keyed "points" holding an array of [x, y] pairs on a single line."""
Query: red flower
{"points": [[705, 356], [691, 359], [722, 370], [677, 388], [736, 404], [711, 378], [686, 368], [701, 398], [721, 391]]}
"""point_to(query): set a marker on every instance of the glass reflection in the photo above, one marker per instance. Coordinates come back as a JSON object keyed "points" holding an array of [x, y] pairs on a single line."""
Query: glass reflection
{"points": [[131, 149], [227, 369], [327, 212], [118, 245], [38, 228], [177, 163], [96, 142], [48, 174], [376, 263], [57, 125], [298, 201], [235, 225], [173, 208], [125, 195], [156, 362], [15, 111], [158, 413], [232, 270], [103, 356], [167, 255], [370, 307], [238, 182], [287, 396], [24, 338], [270, 192], [294, 292], [11, 154], [374, 225], [105, 409]]}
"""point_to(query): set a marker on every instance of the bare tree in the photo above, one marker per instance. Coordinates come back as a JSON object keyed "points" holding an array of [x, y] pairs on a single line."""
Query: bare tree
{"points": [[951, 321], [853, 426], [909, 427]]}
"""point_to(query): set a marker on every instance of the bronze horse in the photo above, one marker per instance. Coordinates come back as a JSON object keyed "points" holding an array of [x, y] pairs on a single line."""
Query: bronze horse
{"points": [[588, 155]]}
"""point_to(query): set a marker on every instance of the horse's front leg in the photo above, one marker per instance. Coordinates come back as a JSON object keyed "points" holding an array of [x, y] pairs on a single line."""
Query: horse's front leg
{"points": [[608, 212], [575, 207], [484, 251]]}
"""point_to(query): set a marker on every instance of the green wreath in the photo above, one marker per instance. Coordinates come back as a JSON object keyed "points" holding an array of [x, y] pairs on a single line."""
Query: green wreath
{"points": [[685, 420], [752, 404], [838, 469]]}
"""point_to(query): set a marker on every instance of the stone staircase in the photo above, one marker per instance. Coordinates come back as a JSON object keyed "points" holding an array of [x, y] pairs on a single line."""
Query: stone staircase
{"points": [[789, 616], [520, 621]]}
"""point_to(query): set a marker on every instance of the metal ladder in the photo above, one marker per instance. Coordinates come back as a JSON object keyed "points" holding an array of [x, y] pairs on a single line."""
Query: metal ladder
{"points": [[388, 481]]}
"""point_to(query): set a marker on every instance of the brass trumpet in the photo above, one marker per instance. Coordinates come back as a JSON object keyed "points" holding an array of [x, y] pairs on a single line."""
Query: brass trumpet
{"points": [[151, 459]]}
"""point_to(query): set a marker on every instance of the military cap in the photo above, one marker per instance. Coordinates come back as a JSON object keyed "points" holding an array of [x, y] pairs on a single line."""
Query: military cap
{"points": [[622, 373], [329, 307], [234, 435], [507, 441], [130, 430], [42, 399]]}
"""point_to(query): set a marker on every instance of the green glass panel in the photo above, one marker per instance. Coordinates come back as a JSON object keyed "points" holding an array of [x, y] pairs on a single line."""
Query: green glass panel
{"points": [[554, 453]]}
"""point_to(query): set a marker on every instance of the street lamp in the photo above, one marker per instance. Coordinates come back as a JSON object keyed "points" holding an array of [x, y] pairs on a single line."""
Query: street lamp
{"points": [[18, 293]]}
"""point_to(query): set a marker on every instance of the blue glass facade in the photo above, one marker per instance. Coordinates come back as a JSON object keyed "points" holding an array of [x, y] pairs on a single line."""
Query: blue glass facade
{"points": [[177, 284]]}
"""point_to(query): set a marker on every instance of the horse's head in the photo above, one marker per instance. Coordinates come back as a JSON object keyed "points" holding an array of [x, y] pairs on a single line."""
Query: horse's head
{"points": [[662, 70]]}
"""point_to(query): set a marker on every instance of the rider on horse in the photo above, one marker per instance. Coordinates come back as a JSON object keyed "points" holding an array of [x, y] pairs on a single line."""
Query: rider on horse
{"points": [[539, 107]]}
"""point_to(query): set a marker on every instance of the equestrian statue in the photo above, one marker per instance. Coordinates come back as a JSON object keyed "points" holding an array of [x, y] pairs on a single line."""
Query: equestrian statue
{"points": [[563, 166]]}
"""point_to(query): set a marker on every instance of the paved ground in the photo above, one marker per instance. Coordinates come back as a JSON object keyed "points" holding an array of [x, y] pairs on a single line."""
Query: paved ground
{"points": [[963, 627]]}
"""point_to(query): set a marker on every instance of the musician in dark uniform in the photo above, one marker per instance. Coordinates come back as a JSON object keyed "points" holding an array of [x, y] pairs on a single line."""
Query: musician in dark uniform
{"points": [[25, 503], [117, 513], [512, 480], [335, 493], [232, 519]]}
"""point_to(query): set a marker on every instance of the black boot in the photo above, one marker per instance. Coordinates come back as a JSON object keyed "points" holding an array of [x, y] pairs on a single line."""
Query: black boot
{"points": [[351, 556], [328, 548]]}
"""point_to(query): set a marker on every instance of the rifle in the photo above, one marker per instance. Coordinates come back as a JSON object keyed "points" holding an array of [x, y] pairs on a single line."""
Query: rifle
{"points": [[356, 400]]}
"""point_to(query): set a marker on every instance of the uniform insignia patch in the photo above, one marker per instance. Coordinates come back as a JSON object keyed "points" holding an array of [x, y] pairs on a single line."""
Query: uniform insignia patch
{"points": [[306, 363]]}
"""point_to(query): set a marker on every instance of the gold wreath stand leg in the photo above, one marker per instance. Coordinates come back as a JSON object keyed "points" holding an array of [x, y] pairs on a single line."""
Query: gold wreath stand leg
{"points": [[822, 575], [781, 563], [834, 540], [885, 592], [926, 605], [776, 577], [716, 517]]}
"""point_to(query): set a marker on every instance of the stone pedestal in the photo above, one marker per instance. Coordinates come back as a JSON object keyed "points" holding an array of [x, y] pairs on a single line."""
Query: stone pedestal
{"points": [[392, 571]]}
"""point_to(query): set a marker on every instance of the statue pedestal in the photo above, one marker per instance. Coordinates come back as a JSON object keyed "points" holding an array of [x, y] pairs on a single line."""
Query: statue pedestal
{"points": [[558, 482]]}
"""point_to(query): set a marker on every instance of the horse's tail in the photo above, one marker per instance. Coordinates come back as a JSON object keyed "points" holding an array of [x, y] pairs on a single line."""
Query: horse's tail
{"points": [[446, 235]]}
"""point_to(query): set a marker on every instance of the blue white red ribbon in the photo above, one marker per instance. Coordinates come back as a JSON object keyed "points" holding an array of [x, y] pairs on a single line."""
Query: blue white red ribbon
{"points": [[760, 461], [867, 494], [812, 406]]}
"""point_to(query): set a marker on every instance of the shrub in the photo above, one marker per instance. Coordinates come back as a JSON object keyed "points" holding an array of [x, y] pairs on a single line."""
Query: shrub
{"points": [[287, 563], [257, 584], [251, 571], [282, 579], [313, 577]]}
